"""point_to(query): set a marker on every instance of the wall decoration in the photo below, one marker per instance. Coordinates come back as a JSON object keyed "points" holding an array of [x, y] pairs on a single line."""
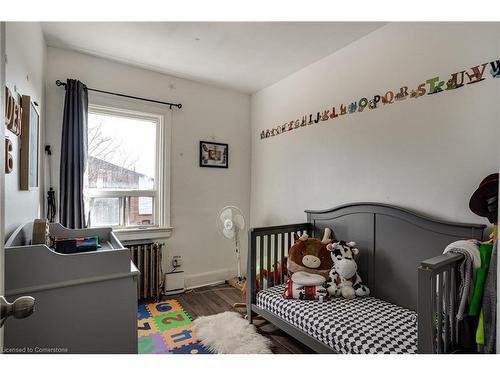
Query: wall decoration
{"points": [[30, 140], [214, 155], [431, 86], [495, 70], [9, 160], [13, 113]]}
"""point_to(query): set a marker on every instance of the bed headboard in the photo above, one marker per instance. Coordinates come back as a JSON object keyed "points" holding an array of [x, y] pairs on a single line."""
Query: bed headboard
{"points": [[392, 243]]}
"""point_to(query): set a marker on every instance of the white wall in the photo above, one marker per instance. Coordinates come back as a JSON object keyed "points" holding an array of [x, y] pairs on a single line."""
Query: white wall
{"points": [[25, 69], [208, 113], [2, 150], [427, 154]]}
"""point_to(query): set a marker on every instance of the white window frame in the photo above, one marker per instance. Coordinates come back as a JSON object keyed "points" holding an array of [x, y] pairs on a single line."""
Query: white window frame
{"points": [[161, 193]]}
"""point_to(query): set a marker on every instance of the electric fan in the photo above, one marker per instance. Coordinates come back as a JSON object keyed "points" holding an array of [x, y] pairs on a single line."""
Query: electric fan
{"points": [[230, 222]]}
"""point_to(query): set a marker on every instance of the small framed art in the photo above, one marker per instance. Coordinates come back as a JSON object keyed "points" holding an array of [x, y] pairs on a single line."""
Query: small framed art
{"points": [[214, 155]]}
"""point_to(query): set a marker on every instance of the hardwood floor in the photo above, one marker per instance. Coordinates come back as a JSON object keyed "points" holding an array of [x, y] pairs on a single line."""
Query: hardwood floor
{"points": [[217, 299]]}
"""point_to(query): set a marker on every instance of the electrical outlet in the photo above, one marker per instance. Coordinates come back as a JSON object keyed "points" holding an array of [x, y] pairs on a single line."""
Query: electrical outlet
{"points": [[176, 261]]}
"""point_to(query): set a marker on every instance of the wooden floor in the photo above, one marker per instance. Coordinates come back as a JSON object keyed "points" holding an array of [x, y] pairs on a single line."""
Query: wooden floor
{"points": [[217, 299]]}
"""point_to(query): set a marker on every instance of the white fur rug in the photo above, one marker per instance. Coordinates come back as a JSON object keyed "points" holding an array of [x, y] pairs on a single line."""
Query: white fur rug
{"points": [[229, 333]]}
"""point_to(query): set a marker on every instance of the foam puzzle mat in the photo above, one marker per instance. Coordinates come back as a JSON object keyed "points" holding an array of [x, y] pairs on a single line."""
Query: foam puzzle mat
{"points": [[166, 328]]}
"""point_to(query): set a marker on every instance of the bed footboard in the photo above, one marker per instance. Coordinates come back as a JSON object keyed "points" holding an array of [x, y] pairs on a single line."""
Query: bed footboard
{"points": [[267, 251], [437, 307]]}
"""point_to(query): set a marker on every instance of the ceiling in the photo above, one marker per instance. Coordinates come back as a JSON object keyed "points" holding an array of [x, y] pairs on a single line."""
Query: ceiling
{"points": [[245, 56]]}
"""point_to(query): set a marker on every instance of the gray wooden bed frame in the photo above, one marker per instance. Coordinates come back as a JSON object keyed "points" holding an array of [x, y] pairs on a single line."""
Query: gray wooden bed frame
{"points": [[401, 260]]}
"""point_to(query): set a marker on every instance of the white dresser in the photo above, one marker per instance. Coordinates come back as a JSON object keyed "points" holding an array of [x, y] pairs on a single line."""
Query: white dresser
{"points": [[85, 302]]}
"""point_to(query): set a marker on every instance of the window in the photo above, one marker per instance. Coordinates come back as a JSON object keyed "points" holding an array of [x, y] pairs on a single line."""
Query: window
{"points": [[124, 171]]}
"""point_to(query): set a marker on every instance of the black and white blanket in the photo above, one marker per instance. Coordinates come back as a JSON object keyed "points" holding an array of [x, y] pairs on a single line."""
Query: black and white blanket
{"points": [[362, 325]]}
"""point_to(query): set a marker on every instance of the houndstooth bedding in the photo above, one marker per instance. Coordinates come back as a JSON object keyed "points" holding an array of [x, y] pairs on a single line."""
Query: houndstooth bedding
{"points": [[364, 325]]}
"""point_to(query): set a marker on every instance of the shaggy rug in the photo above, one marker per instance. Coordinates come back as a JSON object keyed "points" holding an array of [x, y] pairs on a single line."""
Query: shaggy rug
{"points": [[229, 333]]}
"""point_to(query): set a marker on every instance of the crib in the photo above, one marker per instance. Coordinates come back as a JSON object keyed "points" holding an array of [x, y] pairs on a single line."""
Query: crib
{"points": [[413, 285]]}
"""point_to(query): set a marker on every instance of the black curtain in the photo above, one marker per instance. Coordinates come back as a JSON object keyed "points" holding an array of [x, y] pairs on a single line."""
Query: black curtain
{"points": [[73, 155]]}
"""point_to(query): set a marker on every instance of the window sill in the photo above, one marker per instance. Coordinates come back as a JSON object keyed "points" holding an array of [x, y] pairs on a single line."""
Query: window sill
{"points": [[143, 233]]}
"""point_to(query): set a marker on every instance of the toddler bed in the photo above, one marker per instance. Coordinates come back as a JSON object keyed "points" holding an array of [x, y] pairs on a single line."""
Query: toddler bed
{"points": [[401, 261]]}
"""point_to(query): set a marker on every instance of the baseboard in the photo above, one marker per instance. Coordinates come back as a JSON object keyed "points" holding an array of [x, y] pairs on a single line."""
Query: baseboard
{"points": [[220, 282], [208, 278]]}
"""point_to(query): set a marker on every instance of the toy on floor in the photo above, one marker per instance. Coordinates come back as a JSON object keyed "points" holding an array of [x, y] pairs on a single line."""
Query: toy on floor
{"points": [[308, 265], [166, 328], [344, 279]]}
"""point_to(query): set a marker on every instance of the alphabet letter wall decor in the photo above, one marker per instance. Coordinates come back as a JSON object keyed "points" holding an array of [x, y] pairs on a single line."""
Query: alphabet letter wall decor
{"points": [[9, 161], [495, 69], [13, 113], [477, 74], [430, 86]]}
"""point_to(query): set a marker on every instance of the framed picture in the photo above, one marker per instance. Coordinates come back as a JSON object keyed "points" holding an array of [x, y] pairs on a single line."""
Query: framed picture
{"points": [[214, 155], [30, 139]]}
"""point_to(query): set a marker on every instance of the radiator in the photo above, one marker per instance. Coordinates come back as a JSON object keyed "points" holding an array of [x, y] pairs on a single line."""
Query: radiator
{"points": [[147, 258]]}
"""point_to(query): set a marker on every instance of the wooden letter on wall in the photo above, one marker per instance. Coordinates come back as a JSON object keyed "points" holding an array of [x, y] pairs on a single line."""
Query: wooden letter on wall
{"points": [[13, 113], [9, 161], [9, 107]]}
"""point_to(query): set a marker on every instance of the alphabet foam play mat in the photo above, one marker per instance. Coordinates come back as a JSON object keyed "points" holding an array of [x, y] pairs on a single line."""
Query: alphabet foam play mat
{"points": [[166, 328]]}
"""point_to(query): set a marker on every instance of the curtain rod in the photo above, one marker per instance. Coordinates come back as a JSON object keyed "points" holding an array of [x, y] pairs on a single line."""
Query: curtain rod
{"points": [[59, 83]]}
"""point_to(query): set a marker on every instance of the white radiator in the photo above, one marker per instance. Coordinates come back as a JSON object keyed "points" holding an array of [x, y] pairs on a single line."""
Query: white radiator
{"points": [[147, 258]]}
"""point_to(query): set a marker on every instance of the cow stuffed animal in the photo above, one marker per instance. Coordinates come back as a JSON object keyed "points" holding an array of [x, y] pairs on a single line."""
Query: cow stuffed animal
{"points": [[310, 255], [344, 279], [308, 266]]}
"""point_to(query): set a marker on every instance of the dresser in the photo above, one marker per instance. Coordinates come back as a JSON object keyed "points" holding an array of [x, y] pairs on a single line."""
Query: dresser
{"points": [[84, 302]]}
